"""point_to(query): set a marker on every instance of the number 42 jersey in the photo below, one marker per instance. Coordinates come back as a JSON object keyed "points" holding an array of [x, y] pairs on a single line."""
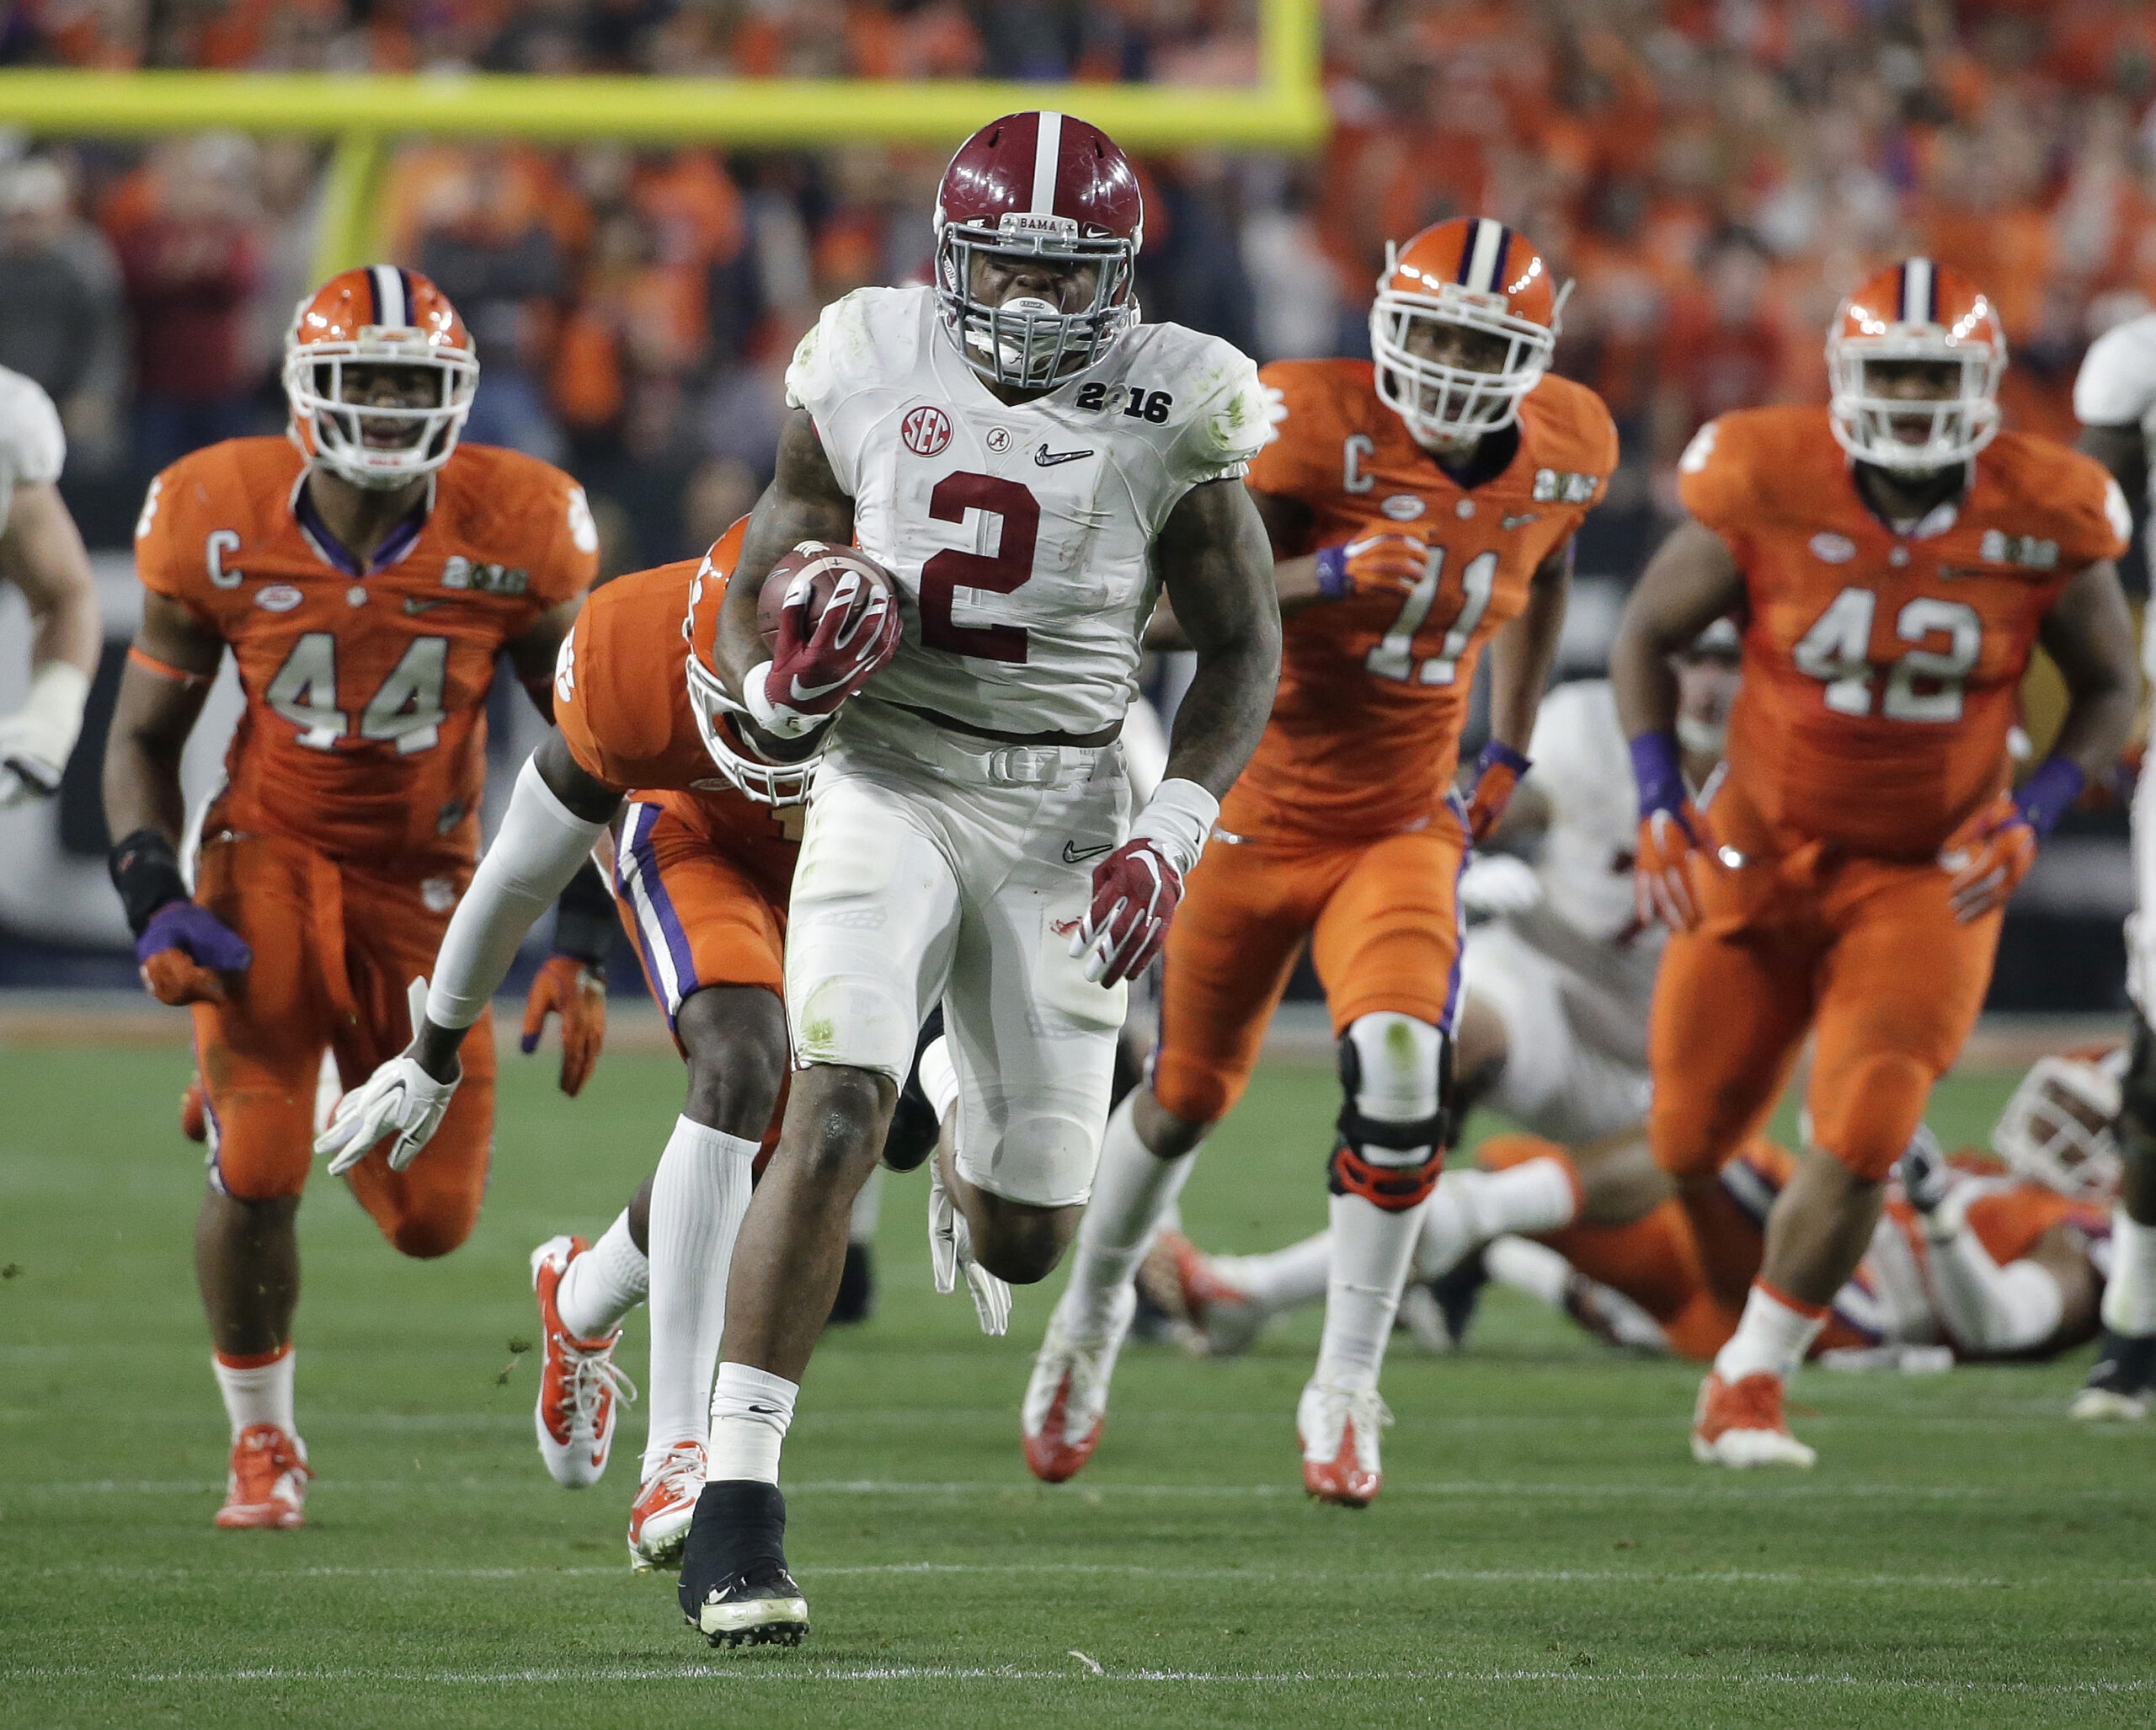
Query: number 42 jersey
{"points": [[1880, 669], [1021, 535], [365, 733]]}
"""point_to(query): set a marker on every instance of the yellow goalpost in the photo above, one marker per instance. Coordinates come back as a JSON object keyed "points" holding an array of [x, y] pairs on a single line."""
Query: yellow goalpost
{"points": [[1284, 109]]}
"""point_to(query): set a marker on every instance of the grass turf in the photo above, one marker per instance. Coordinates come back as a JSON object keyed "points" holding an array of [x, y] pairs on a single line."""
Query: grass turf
{"points": [[1544, 1552]]}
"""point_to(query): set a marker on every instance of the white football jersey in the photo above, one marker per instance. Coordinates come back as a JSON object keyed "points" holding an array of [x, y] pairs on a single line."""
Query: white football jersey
{"points": [[32, 447], [1021, 534]]}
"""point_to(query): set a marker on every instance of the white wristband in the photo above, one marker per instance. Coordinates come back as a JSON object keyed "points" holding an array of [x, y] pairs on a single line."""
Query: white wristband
{"points": [[1178, 819], [775, 718], [51, 719]]}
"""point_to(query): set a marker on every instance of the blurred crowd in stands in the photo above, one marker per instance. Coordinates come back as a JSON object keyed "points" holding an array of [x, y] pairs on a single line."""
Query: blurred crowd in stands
{"points": [[1713, 173]]}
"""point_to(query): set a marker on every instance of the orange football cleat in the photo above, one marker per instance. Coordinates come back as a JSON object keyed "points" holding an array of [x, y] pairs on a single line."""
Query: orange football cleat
{"points": [[266, 1490], [581, 1389], [659, 1517], [1740, 1423], [1066, 1401], [1188, 1285], [1338, 1429]]}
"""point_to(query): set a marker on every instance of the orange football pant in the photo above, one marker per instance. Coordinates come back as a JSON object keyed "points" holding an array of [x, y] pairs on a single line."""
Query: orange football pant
{"points": [[1866, 950], [1381, 917], [335, 948]]}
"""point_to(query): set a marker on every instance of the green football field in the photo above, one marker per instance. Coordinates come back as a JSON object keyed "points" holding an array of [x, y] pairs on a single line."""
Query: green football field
{"points": [[1545, 1551]]}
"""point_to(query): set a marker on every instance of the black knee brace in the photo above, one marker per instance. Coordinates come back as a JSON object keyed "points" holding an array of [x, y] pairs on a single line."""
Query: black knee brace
{"points": [[1359, 1165]]}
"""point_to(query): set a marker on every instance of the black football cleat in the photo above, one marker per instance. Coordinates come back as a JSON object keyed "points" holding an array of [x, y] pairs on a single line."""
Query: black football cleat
{"points": [[915, 1128], [2122, 1382], [735, 1589]]}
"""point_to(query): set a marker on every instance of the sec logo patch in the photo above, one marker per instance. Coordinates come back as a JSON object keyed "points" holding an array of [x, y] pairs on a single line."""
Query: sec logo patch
{"points": [[926, 430]]}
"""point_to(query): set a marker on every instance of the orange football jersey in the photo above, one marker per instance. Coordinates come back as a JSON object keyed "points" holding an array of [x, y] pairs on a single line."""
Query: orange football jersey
{"points": [[1364, 736], [365, 733], [1880, 669], [622, 700]]}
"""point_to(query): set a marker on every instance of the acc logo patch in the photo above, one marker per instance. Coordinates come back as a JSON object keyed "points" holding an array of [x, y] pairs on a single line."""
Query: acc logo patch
{"points": [[926, 430], [278, 597], [1554, 486], [1402, 507], [1830, 548], [2000, 548]]}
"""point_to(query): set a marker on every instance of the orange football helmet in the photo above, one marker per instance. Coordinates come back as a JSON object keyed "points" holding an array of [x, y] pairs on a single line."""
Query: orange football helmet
{"points": [[1477, 273], [1915, 311], [377, 315], [721, 722]]}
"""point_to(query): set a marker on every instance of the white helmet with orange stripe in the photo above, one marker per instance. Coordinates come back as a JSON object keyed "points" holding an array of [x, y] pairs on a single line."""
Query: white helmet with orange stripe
{"points": [[2057, 1129], [1914, 362], [380, 373]]}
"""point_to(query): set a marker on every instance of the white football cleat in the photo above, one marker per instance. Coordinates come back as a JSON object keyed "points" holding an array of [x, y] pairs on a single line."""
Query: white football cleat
{"points": [[581, 1389], [659, 1517], [1338, 1427], [1067, 1399], [1741, 1424]]}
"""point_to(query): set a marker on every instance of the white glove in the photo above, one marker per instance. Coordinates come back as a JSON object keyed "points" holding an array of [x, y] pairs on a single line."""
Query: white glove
{"points": [[1497, 884], [399, 1099], [951, 1248]]}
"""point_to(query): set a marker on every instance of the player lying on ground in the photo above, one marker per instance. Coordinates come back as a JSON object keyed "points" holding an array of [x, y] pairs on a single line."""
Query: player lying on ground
{"points": [[365, 576], [1896, 557], [1417, 511], [42, 555], [2115, 397], [1998, 1255], [1555, 987], [702, 865]]}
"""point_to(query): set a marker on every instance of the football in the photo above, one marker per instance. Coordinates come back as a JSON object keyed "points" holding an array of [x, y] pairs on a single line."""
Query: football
{"points": [[813, 575]]}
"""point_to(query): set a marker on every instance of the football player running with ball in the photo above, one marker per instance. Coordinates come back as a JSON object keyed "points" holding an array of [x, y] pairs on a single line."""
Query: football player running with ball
{"points": [[1029, 464], [1418, 510], [365, 576], [1896, 557]]}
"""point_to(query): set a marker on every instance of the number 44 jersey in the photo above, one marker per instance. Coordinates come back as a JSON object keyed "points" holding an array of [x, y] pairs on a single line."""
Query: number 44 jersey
{"points": [[1021, 534], [1881, 668], [365, 733], [1365, 732]]}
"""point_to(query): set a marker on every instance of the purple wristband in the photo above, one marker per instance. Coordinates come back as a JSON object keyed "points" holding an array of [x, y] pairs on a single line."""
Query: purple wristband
{"points": [[1659, 769], [1332, 572], [2043, 797], [1498, 751]]}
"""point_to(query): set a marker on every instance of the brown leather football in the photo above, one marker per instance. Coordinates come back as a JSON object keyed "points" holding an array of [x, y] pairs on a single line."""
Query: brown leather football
{"points": [[810, 576]]}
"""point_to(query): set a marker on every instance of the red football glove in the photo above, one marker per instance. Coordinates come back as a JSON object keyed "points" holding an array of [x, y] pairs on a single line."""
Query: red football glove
{"points": [[1380, 560], [1498, 772], [1989, 856], [575, 991], [1135, 891], [809, 675]]}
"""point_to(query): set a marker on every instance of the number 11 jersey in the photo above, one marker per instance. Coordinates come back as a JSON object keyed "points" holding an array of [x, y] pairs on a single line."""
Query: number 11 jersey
{"points": [[1365, 731]]}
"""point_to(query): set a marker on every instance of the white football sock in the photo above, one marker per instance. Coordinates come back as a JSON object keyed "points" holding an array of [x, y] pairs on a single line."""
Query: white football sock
{"points": [[261, 1393], [1989, 1308], [1130, 1192], [1469, 1208], [1286, 1279], [697, 1200], [868, 1210], [749, 1411], [1534, 1269], [2129, 1293], [1371, 1248], [1772, 1338], [939, 1078], [604, 1283]]}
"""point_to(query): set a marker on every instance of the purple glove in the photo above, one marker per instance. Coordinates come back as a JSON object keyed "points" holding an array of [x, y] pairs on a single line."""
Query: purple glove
{"points": [[184, 950]]}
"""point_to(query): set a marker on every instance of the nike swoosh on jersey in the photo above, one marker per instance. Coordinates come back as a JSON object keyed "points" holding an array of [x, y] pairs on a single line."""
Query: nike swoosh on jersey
{"points": [[1046, 458], [415, 606], [1525, 516], [1073, 854]]}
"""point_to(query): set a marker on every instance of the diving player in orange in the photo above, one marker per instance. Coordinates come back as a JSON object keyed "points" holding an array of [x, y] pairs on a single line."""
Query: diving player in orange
{"points": [[1419, 508], [365, 575], [1896, 557]]}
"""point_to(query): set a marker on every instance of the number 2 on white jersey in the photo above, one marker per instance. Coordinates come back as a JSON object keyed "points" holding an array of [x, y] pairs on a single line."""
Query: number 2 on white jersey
{"points": [[1394, 656], [407, 707], [1837, 650]]}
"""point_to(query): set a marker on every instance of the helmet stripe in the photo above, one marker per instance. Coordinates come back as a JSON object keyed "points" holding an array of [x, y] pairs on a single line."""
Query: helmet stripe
{"points": [[1918, 296], [389, 300], [1483, 253], [1048, 155]]}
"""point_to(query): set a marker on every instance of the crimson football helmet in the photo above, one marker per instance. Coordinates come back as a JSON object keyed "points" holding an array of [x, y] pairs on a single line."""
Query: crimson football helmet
{"points": [[722, 723], [377, 315], [1915, 311], [1044, 186], [1477, 273]]}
